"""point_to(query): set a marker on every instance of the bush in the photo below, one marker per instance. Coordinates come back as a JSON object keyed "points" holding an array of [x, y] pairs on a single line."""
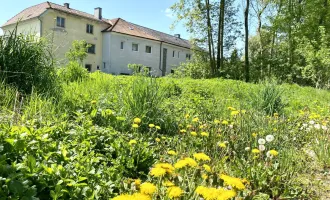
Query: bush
{"points": [[26, 63], [73, 72]]}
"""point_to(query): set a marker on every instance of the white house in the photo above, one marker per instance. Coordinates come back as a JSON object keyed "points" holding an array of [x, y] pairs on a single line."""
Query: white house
{"points": [[114, 43]]}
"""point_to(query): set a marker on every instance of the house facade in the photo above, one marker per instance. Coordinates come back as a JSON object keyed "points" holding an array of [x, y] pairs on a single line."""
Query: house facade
{"points": [[113, 43]]}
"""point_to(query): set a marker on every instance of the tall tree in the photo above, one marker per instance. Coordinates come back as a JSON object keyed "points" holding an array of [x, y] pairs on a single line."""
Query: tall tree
{"points": [[221, 27], [246, 26]]}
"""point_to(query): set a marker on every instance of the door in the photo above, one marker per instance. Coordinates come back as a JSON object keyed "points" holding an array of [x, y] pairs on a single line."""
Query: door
{"points": [[164, 62]]}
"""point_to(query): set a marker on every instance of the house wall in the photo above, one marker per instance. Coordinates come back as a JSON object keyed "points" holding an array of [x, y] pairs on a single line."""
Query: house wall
{"points": [[117, 60], [75, 29], [31, 26]]}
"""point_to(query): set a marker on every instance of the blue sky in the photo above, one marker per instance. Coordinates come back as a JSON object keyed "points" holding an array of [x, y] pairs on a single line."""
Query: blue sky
{"points": [[153, 14]]}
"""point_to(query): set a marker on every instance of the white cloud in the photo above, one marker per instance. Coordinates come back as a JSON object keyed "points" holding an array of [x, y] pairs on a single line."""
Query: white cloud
{"points": [[168, 12]]}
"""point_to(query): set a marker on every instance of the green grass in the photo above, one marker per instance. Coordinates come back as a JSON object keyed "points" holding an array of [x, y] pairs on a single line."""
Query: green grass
{"points": [[77, 145]]}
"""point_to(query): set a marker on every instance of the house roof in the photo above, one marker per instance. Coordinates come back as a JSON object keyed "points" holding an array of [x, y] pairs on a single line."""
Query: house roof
{"points": [[117, 25], [121, 26], [37, 10]]}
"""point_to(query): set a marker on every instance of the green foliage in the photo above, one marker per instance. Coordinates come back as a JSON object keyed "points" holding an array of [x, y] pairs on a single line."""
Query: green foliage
{"points": [[26, 63], [73, 72], [139, 69], [78, 51]]}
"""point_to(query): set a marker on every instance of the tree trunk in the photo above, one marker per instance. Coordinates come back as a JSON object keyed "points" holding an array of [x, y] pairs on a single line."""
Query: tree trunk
{"points": [[246, 25], [210, 38], [220, 35]]}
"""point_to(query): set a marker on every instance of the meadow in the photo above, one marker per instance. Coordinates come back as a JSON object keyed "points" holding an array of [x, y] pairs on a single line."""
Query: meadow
{"points": [[136, 137]]}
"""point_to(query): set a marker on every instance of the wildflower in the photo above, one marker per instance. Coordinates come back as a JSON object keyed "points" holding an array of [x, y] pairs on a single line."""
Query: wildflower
{"points": [[168, 167], [317, 126], [312, 122], [193, 133], [135, 126], [168, 184], [231, 108], [255, 151], [205, 134], [137, 182], [157, 140], [217, 121], [254, 134], [93, 102], [131, 142], [187, 116], [139, 196], [148, 188], [157, 172], [269, 138], [137, 120], [201, 126], [273, 152], [122, 197], [195, 119], [180, 164], [231, 126], [243, 111], [222, 145], [174, 192], [151, 125], [183, 131], [172, 153], [261, 141], [262, 147], [247, 148], [204, 176], [207, 168], [232, 181], [225, 122], [191, 162], [202, 156], [158, 127], [189, 126]]}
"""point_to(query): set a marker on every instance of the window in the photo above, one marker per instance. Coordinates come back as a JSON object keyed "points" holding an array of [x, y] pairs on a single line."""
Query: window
{"points": [[89, 28], [121, 45], [172, 71], [173, 54], [188, 56], [135, 47], [88, 67], [148, 49], [60, 22], [91, 48]]}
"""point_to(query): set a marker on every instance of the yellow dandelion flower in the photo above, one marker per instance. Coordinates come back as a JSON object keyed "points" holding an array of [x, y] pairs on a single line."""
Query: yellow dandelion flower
{"points": [[235, 112], [207, 168], [172, 153], [157, 172], [158, 127], [93, 102], [273, 152], [135, 126], [131, 142], [151, 125], [202, 156], [187, 116], [137, 120], [191, 162], [201, 126], [201, 190], [122, 197], [231, 108], [243, 111], [226, 194], [233, 182], [254, 134], [255, 151], [137, 182], [225, 122], [204, 176], [195, 119], [174, 192], [180, 164], [222, 145], [183, 131], [168, 167], [189, 126], [157, 140], [148, 188], [168, 184], [139, 196], [193, 133], [216, 121], [205, 134]]}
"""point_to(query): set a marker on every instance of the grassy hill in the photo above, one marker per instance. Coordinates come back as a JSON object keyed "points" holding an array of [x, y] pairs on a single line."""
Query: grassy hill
{"points": [[165, 138]]}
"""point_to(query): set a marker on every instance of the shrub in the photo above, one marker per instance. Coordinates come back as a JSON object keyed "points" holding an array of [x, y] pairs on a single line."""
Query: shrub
{"points": [[73, 72], [139, 69], [26, 63]]}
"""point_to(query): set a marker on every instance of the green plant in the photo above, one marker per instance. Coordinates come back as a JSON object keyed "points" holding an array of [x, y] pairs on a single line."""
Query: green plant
{"points": [[78, 51], [73, 72]]}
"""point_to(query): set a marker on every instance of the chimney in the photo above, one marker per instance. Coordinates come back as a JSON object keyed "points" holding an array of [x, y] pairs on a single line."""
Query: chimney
{"points": [[177, 35], [98, 13], [67, 5]]}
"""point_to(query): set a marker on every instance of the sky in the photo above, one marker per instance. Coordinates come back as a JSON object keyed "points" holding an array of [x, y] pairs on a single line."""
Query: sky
{"points": [[154, 14]]}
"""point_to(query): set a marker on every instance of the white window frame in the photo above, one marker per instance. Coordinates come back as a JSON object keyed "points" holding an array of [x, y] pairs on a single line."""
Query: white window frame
{"points": [[150, 49], [62, 22], [90, 29], [137, 47]]}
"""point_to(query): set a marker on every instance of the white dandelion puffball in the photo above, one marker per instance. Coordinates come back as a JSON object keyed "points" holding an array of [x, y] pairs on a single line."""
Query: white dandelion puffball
{"points": [[324, 127], [269, 155], [262, 147], [261, 141], [247, 148], [269, 138], [311, 122], [317, 126]]}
